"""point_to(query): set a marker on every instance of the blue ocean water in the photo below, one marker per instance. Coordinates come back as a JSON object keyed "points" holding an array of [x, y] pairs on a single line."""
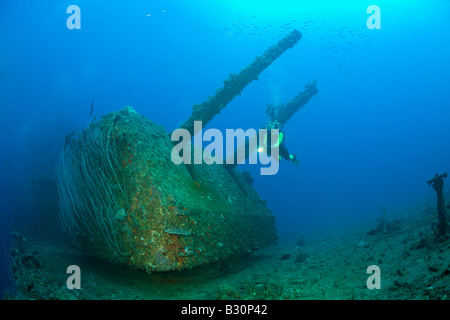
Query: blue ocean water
{"points": [[377, 130]]}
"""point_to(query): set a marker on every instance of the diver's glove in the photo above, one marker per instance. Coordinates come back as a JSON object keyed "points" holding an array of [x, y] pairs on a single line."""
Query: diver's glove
{"points": [[294, 159]]}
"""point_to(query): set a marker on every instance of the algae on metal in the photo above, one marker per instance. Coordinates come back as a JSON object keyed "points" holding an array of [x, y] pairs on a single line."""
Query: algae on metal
{"points": [[167, 218]]}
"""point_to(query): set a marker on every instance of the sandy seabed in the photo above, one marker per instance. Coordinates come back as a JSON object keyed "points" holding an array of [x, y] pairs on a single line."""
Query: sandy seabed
{"points": [[333, 266]]}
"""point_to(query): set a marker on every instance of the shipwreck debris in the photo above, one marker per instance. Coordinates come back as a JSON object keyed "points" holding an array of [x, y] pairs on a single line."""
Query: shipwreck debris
{"points": [[438, 185], [179, 232]]}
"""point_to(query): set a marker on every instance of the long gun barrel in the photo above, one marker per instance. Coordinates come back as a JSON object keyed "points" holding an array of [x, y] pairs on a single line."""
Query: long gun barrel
{"points": [[237, 82]]}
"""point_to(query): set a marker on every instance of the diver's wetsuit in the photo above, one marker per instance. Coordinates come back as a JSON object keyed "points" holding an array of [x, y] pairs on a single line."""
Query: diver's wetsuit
{"points": [[282, 149], [284, 152]]}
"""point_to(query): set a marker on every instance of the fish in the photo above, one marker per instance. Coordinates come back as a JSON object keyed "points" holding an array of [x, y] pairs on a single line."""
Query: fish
{"points": [[92, 107], [285, 257]]}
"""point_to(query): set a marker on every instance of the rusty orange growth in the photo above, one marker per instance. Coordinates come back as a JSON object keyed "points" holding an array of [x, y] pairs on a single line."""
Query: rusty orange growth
{"points": [[127, 161], [158, 195], [128, 156]]}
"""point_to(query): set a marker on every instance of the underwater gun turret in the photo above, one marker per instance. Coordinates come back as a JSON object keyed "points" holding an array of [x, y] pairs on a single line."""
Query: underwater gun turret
{"points": [[123, 200], [438, 185]]}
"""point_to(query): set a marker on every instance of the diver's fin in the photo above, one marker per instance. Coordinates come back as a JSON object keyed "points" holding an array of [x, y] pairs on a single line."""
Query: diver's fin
{"points": [[294, 159]]}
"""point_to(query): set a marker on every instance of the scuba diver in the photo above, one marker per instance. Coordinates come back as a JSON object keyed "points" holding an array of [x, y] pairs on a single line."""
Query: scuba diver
{"points": [[279, 143]]}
